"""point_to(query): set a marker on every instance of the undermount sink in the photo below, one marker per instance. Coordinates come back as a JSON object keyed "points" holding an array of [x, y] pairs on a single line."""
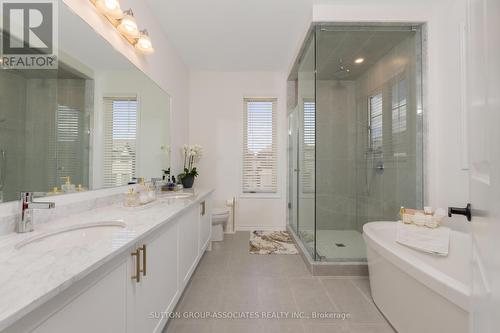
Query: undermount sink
{"points": [[175, 195], [98, 226]]}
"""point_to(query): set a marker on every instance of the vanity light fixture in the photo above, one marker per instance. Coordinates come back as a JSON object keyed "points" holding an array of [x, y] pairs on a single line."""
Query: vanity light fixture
{"points": [[125, 23], [144, 44], [109, 8], [128, 26], [359, 60]]}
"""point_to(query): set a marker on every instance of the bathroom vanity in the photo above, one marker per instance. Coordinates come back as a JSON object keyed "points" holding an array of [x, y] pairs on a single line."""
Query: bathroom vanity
{"points": [[122, 277], [90, 127]]}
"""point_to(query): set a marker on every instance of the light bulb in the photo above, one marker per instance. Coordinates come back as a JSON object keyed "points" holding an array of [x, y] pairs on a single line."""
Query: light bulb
{"points": [[359, 60], [110, 8], [111, 4], [128, 25], [144, 43]]}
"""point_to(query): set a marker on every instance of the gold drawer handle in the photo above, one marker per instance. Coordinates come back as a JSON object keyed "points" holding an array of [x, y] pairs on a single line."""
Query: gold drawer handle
{"points": [[203, 208], [144, 256], [137, 276]]}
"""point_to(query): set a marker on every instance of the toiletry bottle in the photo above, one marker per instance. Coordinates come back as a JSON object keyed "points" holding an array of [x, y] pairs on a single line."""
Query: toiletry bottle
{"points": [[140, 184], [67, 187], [170, 184], [55, 191], [174, 184], [80, 188]]}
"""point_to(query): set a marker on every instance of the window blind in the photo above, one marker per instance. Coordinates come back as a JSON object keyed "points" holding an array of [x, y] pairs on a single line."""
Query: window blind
{"points": [[398, 106], [375, 105], [308, 147], [120, 139], [399, 142], [260, 146], [65, 145]]}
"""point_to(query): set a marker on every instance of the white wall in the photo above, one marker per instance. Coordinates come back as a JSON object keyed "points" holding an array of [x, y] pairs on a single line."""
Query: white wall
{"points": [[165, 66], [446, 182], [216, 122]]}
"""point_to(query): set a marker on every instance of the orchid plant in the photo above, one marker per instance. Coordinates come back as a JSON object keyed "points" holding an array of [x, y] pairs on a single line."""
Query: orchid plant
{"points": [[192, 155]]}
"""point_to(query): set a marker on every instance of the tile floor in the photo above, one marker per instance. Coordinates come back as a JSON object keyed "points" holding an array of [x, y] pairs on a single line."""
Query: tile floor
{"points": [[230, 279]]}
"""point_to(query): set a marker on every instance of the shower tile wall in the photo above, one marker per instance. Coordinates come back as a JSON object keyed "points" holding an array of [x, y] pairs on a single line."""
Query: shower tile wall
{"points": [[28, 131], [12, 141], [380, 194], [41, 103], [48, 158], [335, 155]]}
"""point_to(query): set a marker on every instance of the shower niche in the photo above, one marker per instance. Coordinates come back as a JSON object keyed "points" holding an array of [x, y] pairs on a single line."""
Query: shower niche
{"points": [[355, 135]]}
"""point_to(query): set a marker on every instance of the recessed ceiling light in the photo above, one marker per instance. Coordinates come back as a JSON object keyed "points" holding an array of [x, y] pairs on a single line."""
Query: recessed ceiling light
{"points": [[359, 60]]}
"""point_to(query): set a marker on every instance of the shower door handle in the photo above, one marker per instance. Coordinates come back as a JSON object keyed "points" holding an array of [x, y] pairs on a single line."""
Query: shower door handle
{"points": [[467, 211]]}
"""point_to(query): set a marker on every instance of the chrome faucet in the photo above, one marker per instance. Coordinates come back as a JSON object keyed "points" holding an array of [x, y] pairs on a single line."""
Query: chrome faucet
{"points": [[25, 222]]}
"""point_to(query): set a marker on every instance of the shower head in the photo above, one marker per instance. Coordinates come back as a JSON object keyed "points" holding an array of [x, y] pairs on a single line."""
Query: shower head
{"points": [[342, 71]]}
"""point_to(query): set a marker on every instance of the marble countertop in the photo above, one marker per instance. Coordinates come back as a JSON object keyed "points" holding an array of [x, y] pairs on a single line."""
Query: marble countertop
{"points": [[35, 273]]}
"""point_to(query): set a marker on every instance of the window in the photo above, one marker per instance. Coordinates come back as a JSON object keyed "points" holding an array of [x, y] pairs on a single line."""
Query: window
{"points": [[398, 111], [375, 128], [65, 145], [260, 146], [120, 139], [398, 107], [308, 147]]}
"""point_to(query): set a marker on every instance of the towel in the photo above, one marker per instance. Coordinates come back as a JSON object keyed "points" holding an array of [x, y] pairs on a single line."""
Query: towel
{"points": [[433, 241]]}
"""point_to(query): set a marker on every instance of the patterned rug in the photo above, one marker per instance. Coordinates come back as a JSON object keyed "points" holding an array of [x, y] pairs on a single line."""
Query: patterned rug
{"points": [[272, 242]]}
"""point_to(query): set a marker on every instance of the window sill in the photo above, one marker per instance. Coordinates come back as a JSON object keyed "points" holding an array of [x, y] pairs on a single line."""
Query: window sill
{"points": [[260, 196]]}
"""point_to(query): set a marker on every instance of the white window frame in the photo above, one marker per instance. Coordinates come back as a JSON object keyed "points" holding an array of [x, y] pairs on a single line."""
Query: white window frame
{"points": [[370, 119], [308, 184], [261, 195]]}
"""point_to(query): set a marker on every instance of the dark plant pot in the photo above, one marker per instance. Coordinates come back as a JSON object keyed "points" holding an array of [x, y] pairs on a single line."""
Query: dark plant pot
{"points": [[187, 181]]}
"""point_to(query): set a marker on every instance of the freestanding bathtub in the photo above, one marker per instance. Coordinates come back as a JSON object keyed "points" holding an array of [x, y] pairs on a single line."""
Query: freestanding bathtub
{"points": [[419, 292]]}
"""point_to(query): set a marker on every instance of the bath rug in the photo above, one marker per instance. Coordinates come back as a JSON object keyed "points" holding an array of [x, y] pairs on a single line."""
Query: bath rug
{"points": [[272, 242]]}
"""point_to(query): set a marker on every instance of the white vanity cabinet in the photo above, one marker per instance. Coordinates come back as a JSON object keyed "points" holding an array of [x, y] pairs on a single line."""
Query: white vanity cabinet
{"points": [[100, 308], [188, 244], [205, 222], [153, 279], [133, 291]]}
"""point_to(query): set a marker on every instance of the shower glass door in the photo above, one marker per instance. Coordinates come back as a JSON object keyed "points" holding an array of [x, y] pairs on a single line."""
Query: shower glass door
{"points": [[293, 168], [355, 134], [369, 132], [306, 143]]}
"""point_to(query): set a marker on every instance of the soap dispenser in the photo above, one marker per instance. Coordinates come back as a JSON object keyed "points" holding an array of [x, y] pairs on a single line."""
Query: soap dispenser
{"points": [[68, 187]]}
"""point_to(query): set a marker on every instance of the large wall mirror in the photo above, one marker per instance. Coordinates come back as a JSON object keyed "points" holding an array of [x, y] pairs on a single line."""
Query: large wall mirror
{"points": [[97, 119]]}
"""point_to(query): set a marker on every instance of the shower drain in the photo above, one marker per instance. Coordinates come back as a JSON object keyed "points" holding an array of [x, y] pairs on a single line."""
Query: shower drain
{"points": [[340, 244]]}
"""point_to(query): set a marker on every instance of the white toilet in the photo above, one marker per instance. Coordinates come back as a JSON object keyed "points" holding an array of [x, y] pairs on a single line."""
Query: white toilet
{"points": [[219, 221]]}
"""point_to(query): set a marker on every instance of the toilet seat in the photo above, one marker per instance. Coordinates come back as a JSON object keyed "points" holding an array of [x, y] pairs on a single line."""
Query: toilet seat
{"points": [[220, 211], [220, 216], [219, 219]]}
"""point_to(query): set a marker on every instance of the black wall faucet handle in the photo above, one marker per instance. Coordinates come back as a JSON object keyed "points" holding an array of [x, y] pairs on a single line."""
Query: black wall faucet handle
{"points": [[467, 212]]}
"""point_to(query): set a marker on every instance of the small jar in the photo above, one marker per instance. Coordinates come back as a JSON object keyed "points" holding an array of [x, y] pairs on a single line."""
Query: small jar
{"points": [[131, 198]]}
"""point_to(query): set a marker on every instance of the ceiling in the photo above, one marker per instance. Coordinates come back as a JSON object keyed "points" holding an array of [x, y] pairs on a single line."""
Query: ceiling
{"points": [[347, 46], [234, 35]]}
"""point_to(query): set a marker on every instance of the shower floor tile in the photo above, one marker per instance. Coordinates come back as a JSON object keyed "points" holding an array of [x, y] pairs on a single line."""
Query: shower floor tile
{"points": [[340, 245]]}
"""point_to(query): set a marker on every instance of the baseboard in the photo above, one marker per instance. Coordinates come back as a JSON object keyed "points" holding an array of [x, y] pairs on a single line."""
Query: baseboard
{"points": [[257, 227]]}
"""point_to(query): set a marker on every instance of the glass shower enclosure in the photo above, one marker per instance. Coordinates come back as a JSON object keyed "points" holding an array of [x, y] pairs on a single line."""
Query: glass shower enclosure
{"points": [[355, 134]]}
